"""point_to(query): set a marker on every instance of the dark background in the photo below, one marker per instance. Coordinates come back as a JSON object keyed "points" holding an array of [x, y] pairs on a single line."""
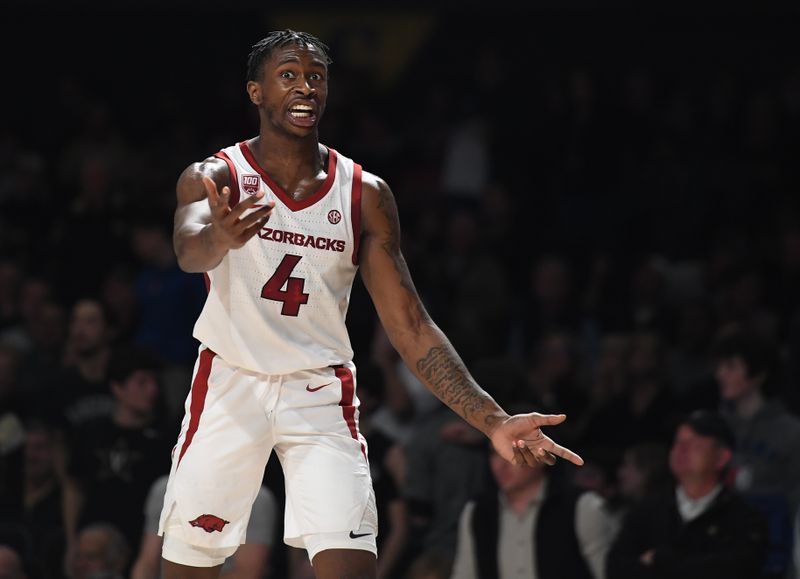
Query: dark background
{"points": [[649, 155]]}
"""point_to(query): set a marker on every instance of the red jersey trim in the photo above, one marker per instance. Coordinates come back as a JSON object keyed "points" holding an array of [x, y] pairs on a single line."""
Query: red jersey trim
{"points": [[234, 199], [355, 210], [348, 409], [280, 193], [199, 393]]}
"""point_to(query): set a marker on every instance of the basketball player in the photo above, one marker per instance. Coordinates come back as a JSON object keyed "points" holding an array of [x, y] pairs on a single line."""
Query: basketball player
{"points": [[280, 224]]}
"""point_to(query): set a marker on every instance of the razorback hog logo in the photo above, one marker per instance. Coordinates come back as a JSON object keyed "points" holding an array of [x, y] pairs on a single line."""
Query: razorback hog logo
{"points": [[209, 523]]}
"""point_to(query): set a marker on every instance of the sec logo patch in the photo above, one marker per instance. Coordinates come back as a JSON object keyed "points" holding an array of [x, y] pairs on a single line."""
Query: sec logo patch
{"points": [[334, 216]]}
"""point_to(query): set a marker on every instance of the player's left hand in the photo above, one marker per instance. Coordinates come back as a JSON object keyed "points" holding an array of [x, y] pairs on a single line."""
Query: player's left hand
{"points": [[520, 440]]}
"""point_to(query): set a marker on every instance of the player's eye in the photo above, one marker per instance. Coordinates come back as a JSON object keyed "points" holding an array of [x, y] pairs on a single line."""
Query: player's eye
{"points": [[315, 76], [287, 74]]}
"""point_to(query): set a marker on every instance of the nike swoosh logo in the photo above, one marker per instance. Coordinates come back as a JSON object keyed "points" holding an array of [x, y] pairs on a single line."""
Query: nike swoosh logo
{"points": [[310, 389], [354, 536]]}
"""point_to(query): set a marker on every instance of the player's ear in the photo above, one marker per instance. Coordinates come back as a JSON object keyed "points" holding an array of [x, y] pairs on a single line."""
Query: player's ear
{"points": [[254, 92]]}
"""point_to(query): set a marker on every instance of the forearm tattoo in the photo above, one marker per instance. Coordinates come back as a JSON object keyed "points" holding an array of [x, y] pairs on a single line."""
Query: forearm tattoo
{"points": [[449, 381]]}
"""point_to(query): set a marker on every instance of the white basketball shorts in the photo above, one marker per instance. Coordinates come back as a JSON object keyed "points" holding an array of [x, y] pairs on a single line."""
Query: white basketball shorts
{"points": [[234, 418]]}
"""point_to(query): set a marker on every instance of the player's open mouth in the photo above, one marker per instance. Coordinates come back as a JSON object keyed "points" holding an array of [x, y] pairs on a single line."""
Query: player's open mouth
{"points": [[301, 111]]}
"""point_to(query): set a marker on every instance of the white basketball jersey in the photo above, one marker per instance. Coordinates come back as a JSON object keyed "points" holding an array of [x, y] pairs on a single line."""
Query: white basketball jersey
{"points": [[278, 304]]}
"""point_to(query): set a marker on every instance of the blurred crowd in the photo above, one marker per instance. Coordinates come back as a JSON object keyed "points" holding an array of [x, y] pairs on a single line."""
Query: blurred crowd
{"points": [[617, 241]]}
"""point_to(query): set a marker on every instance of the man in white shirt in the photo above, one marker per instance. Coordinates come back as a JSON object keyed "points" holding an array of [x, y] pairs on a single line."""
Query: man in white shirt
{"points": [[532, 526]]}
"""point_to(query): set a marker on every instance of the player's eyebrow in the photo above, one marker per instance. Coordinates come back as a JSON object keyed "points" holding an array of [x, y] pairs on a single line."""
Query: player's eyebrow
{"points": [[293, 59], [288, 58]]}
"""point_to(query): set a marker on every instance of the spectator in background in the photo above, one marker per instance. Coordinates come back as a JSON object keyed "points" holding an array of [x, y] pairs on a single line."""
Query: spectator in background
{"points": [[643, 409], [553, 379], [114, 460], [766, 464], [10, 281], [391, 507], [691, 377], [101, 553], [35, 292], [549, 304], [12, 438], [252, 560], [10, 564], [649, 309], [742, 299], [644, 471], [81, 393], [700, 528], [532, 526], [606, 382], [446, 463], [431, 564], [404, 398], [41, 364], [43, 476], [169, 301], [118, 294]]}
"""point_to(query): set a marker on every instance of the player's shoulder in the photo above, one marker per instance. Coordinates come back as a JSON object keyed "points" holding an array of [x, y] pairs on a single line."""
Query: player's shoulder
{"points": [[373, 181], [369, 180], [374, 188], [190, 186], [212, 166]]}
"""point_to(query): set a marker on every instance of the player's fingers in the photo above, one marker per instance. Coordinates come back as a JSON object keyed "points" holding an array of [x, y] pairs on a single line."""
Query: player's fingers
{"points": [[261, 214], [547, 419], [545, 457], [254, 228], [527, 454], [246, 204], [211, 191], [517, 459], [564, 453]]}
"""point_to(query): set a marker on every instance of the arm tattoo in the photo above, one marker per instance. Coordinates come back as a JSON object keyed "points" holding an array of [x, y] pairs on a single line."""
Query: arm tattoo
{"points": [[388, 206], [391, 244], [450, 382]]}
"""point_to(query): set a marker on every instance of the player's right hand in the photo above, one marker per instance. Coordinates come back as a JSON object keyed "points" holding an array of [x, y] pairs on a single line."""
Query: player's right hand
{"points": [[229, 225]]}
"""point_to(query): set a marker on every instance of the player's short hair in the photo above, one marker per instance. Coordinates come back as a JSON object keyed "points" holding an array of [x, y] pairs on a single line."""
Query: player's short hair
{"points": [[262, 49]]}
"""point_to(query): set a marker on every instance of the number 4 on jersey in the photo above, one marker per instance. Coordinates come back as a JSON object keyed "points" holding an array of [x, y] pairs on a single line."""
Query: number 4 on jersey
{"points": [[292, 297]]}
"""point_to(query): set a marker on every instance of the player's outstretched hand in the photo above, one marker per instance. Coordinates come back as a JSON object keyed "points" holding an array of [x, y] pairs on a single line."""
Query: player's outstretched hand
{"points": [[230, 227], [520, 440]]}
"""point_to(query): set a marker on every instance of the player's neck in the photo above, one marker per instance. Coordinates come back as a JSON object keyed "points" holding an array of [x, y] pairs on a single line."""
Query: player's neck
{"points": [[298, 166], [276, 152]]}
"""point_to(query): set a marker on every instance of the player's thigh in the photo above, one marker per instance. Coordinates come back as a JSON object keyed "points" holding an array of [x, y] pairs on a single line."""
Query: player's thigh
{"points": [[170, 570], [338, 563], [218, 464], [328, 486]]}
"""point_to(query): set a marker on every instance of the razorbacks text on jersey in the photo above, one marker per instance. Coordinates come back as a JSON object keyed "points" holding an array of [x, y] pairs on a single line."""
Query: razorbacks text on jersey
{"points": [[278, 304]]}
